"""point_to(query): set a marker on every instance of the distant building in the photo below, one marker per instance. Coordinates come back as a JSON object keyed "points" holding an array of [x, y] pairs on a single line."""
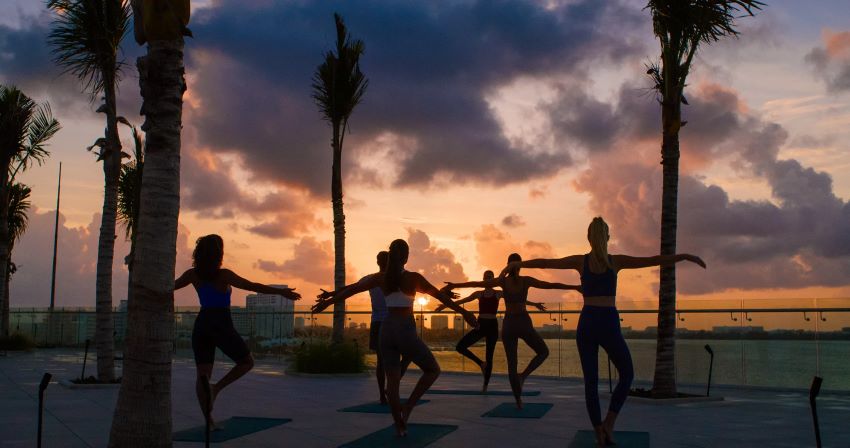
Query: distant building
{"points": [[271, 314], [363, 326], [439, 322], [457, 322], [731, 329], [419, 321], [299, 322], [549, 328]]}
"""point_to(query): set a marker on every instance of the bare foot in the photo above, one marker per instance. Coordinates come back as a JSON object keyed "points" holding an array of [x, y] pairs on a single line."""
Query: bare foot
{"points": [[519, 403], [215, 426], [608, 430]]}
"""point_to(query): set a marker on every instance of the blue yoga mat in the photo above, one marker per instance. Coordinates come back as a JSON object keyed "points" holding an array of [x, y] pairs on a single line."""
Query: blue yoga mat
{"points": [[506, 393], [509, 410], [624, 439], [375, 407], [231, 428], [418, 435]]}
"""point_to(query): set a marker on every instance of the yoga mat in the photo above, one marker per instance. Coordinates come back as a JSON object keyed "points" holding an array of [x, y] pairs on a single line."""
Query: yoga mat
{"points": [[231, 428], [418, 435], [509, 410], [624, 439], [507, 393], [375, 407]]}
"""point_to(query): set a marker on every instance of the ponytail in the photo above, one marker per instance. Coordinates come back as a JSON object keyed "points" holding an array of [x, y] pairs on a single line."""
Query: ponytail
{"points": [[513, 258], [399, 250], [597, 236]]}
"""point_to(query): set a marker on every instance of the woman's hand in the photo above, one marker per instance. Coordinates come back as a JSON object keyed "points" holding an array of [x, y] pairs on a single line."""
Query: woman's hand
{"points": [[324, 294], [446, 291], [320, 305], [540, 306], [696, 260], [290, 294]]}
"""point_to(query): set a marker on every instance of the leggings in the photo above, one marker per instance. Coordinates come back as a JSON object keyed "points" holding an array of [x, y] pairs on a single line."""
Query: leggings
{"points": [[514, 328], [489, 329], [400, 343], [600, 326]]}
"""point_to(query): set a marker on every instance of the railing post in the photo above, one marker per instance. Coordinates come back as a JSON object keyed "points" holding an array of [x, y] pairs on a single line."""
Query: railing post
{"points": [[45, 381]]}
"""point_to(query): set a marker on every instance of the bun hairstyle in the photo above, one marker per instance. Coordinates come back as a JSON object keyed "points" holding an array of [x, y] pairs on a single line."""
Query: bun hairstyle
{"points": [[396, 259], [382, 260], [597, 236], [512, 258], [488, 275], [207, 256]]}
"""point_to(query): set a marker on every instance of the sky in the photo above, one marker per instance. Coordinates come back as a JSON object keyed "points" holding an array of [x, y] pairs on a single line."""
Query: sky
{"points": [[488, 127]]}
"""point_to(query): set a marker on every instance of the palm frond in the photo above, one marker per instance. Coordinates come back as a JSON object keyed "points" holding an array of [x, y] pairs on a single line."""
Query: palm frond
{"points": [[338, 83], [19, 204], [16, 111], [130, 184], [86, 39]]}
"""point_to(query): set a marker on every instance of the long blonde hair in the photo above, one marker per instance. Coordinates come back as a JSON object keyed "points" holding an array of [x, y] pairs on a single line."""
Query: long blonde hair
{"points": [[597, 236]]}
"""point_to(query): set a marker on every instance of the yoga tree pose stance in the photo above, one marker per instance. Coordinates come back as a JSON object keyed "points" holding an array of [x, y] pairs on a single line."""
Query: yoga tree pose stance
{"points": [[214, 325], [398, 331], [488, 327], [379, 313], [518, 323], [599, 323]]}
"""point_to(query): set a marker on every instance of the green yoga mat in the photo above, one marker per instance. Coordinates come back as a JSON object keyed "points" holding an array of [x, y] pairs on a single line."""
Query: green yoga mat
{"points": [[231, 428], [418, 435], [374, 407], [509, 410], [506, 393], [624, 439]]}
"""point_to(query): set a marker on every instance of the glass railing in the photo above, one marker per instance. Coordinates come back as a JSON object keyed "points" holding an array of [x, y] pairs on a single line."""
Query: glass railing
{"points": [[755, 342]]}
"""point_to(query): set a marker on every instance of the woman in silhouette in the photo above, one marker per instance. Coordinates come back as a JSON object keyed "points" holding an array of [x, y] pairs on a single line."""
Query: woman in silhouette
{"points": [[517, 324], [599, 323], [488, 327], [214, 325], [398, 331]]}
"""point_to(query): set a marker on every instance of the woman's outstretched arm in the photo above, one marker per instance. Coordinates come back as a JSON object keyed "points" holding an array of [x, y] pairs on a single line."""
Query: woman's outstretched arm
{"points": [[185, 280], [326, 298], [445, 296], [241, 283], [540, 284], [627, 262], [474, 296], [570, 262], [365, 284], [492, 283]]}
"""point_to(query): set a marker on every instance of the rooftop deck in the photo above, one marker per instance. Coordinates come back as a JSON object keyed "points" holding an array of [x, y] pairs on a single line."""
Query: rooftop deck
{"points": [[81, 418]]}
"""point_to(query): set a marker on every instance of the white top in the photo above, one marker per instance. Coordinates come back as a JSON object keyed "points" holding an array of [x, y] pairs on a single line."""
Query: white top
{"points": [[399, 299]]}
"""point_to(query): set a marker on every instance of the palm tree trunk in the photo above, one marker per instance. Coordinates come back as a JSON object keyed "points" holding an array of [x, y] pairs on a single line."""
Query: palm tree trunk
{"points": [[664, 381], [6, 303], [105, 326], [4, 244], [339, 234], [143, 411]]}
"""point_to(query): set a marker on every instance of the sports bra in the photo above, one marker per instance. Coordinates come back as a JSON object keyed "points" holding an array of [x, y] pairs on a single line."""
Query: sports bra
{"points": [[398, 299], [488, 304], [514, 297], [603, 284], [213, 298]]}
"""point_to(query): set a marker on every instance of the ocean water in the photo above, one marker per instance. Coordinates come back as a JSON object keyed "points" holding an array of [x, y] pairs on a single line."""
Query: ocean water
{"points": [[776, 363]]}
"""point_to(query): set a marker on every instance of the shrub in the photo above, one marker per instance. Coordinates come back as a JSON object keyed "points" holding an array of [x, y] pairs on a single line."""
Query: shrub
{"points": [[327, 357], [16, 341]]}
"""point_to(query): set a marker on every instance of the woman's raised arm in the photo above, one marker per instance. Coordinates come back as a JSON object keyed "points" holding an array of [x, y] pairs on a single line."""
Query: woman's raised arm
{"points": [[627, 262]]}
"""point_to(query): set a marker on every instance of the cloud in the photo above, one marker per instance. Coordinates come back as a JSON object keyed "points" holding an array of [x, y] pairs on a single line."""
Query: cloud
{"points": [[312, 261], [831, 61], [793, 240], [76, 263], [253, 82], [513, 221], [435, 263]]}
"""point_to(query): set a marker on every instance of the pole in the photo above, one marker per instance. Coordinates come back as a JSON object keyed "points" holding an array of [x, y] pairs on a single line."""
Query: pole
{"points": [[45, 380], [205, 383], [53, 271], [85, 357], [710, 368], [813, 394]]}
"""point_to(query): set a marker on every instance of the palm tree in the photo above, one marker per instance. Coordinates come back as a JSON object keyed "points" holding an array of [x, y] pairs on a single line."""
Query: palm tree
{"points": [[129, 195], [18, 205], [86, 40], [25, 128], [338, 87], [680, 26], [143, 412]]}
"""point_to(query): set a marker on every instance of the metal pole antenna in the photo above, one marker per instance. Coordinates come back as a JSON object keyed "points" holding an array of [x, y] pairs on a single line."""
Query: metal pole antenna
{"points": [[55, 242]]}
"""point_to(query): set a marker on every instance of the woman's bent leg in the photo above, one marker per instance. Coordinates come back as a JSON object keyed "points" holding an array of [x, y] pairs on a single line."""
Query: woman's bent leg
{"points": [[467, 340]]}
